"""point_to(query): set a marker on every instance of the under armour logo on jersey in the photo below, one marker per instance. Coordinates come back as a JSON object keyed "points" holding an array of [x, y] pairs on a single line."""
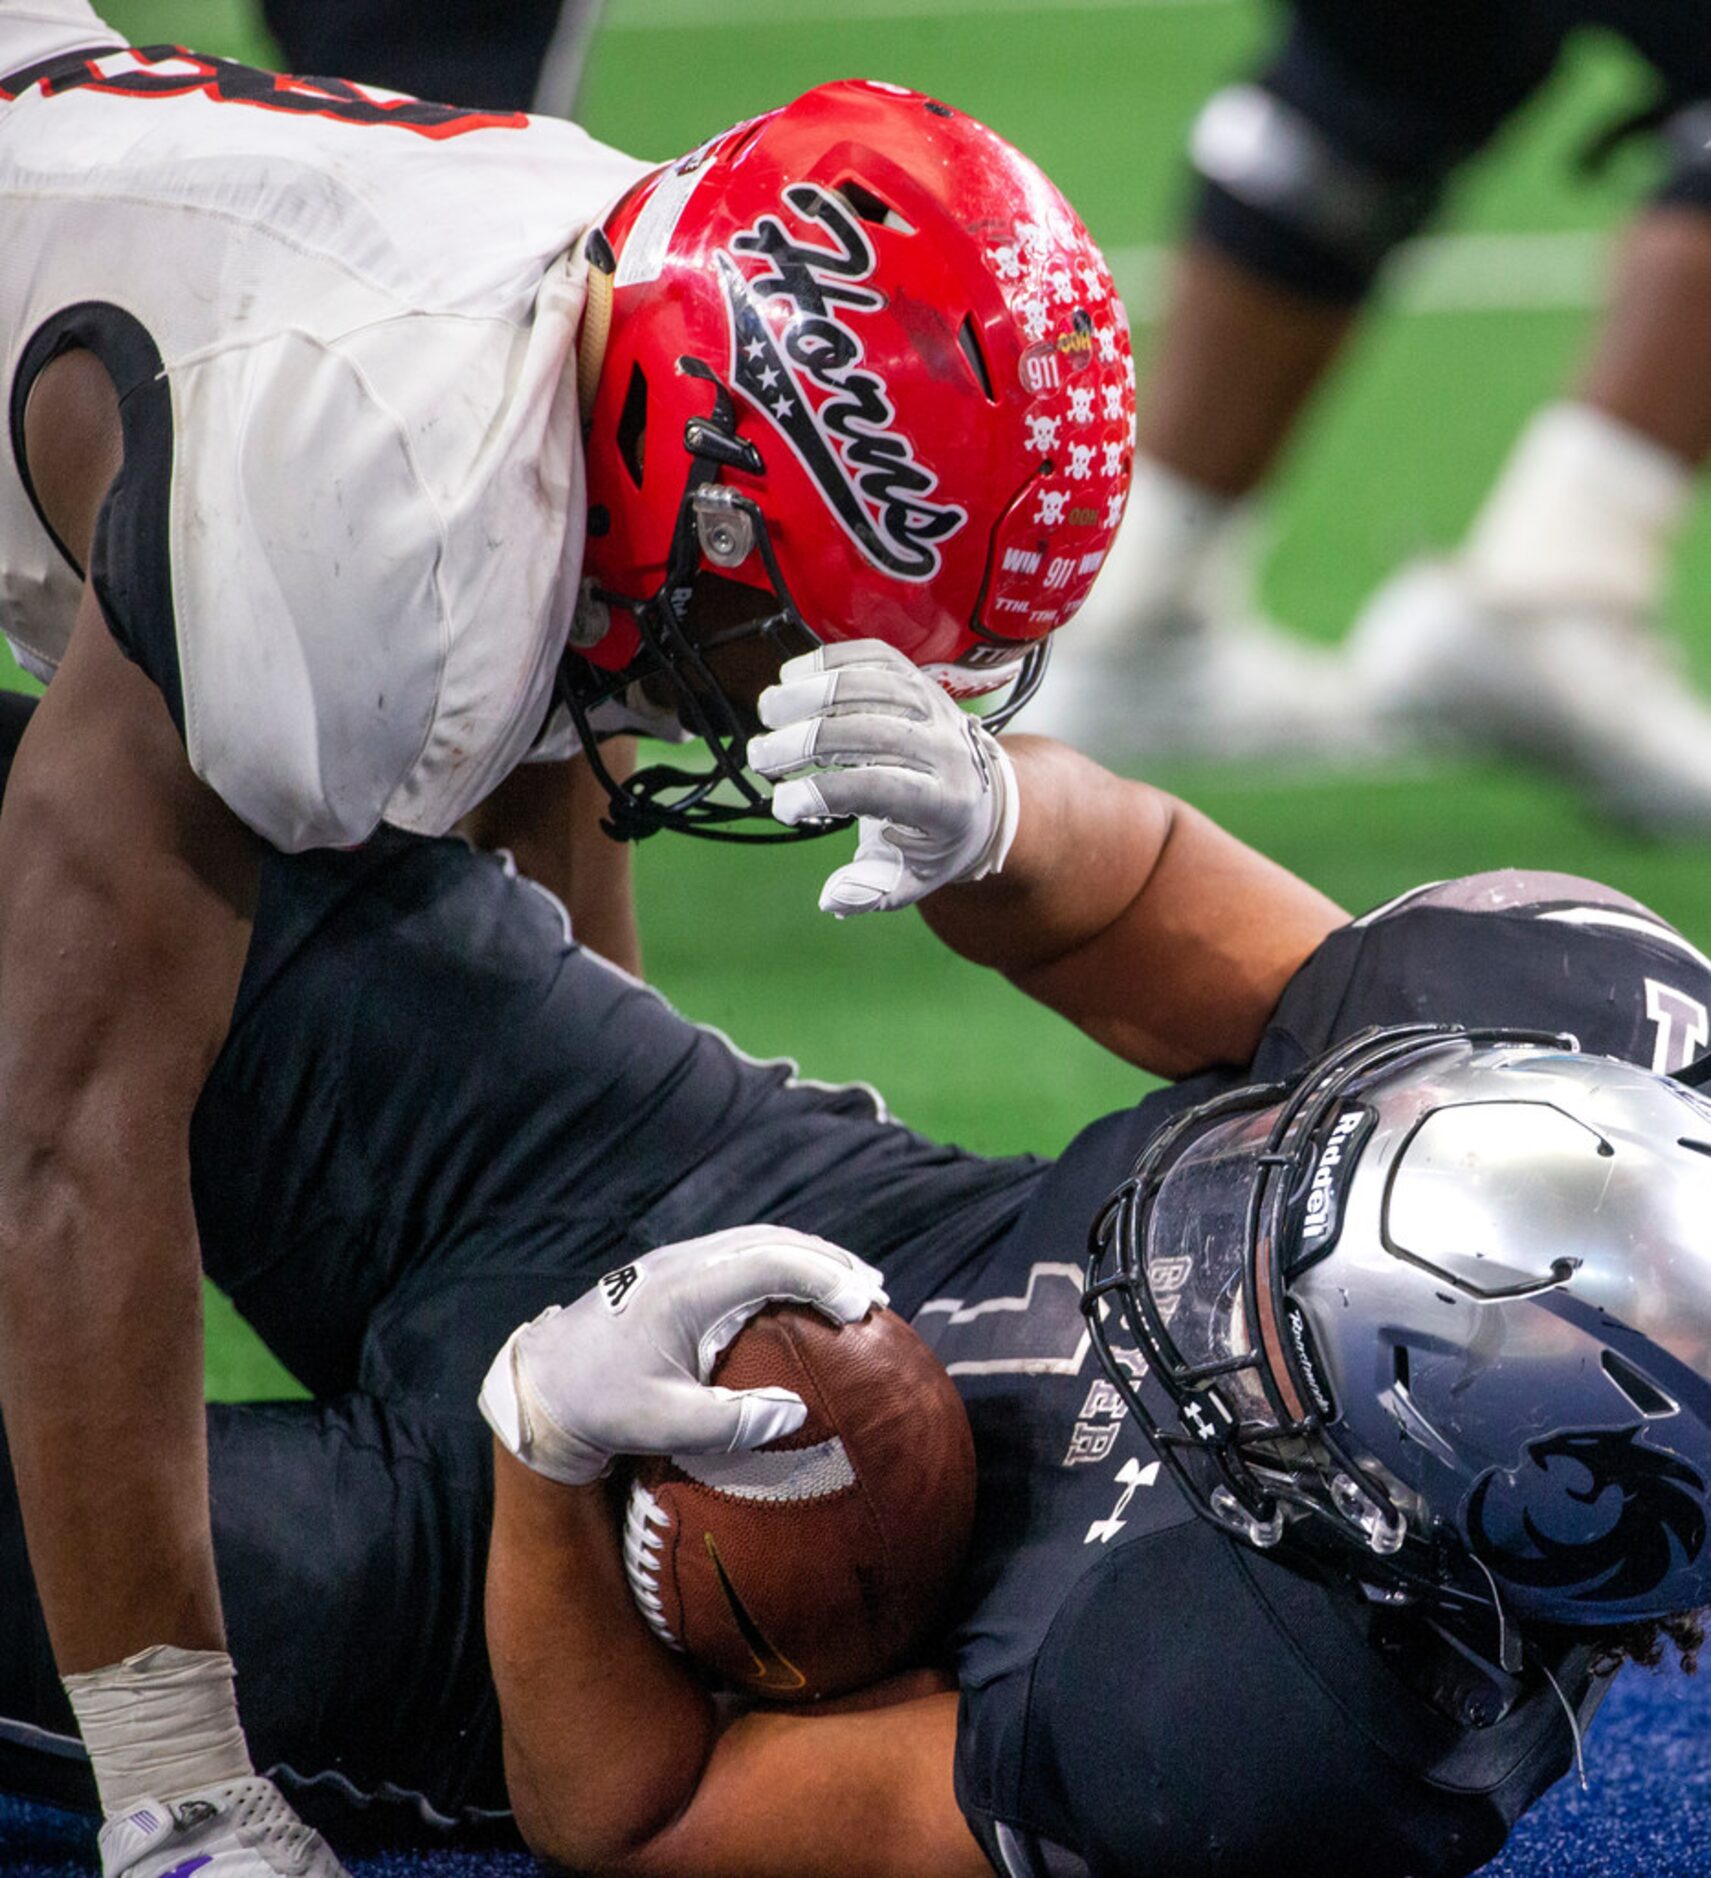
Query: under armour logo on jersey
{"points": [[616, 1286], [1131, 1477]]}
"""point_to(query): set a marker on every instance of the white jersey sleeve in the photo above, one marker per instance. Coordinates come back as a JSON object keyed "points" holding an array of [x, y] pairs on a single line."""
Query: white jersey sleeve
{"points": [[32, 31], [392, 664], [348, 538]]}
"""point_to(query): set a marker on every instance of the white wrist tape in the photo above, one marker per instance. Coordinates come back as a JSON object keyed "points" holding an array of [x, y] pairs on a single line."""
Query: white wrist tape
{"points": [[161, 1723], [1584, 515]]}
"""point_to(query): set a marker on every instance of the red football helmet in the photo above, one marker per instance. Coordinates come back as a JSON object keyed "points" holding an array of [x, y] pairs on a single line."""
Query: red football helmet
{"points": [[863, 357]]}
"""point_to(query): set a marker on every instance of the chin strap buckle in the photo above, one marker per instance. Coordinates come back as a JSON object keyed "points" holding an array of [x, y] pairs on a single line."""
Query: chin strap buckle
{"points": [[724, 524]]}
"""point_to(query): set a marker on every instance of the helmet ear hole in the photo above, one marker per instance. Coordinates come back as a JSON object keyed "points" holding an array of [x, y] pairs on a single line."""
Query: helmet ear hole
{"points": [[1642, 1393], [633, 426], [968, 338], [871, 207]]}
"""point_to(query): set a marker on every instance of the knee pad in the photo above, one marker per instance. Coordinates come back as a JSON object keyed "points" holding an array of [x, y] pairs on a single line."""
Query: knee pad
{"points": [[1687, 135], [1279, 195], [1291, 200], [1312, 173]]}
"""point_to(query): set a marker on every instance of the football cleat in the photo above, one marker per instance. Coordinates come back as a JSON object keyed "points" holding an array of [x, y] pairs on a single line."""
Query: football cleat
{"points": [[1172, 656], [244, 1829], [1601, 697], [1231, 690], [860, 361]]}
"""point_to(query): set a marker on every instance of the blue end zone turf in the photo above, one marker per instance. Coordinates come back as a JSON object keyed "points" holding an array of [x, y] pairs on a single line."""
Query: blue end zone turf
{"points": [[1648, 1762], [1648, 1767]]}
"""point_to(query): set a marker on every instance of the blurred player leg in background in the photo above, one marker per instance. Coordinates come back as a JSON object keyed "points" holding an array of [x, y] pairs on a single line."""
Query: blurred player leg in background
{"points": [[525, 55], [1307, 179], [1542, 633]]}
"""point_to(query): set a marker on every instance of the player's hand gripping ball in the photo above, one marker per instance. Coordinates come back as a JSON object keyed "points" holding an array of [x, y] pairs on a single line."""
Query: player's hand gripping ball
{"points": [[628, 1368], [807, 1527], [817, 1562]]}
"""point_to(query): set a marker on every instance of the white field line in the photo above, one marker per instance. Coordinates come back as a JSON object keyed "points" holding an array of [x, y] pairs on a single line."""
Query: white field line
{"points": [[1561, 272], [653, 16]]}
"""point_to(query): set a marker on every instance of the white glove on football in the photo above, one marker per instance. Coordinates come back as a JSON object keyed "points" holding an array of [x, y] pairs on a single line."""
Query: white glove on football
{"points": [[624, 1369], [243, 1829], [933, 788]]}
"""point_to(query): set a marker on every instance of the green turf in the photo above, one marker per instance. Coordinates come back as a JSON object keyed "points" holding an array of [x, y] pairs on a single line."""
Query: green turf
{"points": [[231, 28], [1392, 464]]}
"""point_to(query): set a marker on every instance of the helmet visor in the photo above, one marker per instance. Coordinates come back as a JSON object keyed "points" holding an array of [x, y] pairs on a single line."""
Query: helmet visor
{"points": [[1195, 1257]]}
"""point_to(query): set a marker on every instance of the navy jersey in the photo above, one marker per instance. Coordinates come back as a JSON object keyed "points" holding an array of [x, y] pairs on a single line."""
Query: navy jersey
{"points": [[1141, 1692], [435, 1115]]}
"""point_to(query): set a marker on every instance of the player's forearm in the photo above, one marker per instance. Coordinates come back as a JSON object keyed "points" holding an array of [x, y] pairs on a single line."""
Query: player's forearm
{"points": [[1187, 977], [612, 1755], [100, 1356], [1135, 917], [606, 1733], [123, 928], [1086, 845], [100, 1285]]}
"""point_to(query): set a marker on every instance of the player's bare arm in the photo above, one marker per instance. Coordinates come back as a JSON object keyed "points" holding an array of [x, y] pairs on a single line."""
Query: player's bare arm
{"points": [[1134, 915], [615, 1757], [617, 1763], [1139, 919], [121, 942]]}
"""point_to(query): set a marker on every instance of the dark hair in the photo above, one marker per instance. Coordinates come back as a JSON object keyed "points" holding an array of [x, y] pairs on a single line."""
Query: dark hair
{"points": [[1646, 1644]]}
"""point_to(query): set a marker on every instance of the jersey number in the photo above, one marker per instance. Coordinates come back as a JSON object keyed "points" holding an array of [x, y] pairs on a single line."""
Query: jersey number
{"points": [[171, 72], [1681, 1025]]}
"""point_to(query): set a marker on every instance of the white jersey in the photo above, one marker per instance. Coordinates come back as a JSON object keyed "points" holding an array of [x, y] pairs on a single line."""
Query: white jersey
{"points": [[348, 536]]}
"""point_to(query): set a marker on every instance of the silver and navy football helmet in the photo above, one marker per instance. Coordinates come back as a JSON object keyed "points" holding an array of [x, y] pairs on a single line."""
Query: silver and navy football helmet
{"points": [[1441, 1305]]}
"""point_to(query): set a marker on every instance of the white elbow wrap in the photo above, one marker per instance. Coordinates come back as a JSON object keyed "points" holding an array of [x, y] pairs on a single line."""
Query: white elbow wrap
{"points": [[161, 1723]]}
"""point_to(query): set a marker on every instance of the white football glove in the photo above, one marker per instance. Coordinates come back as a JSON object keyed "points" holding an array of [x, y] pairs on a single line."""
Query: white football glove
{"points": [[933, 788], [624, 1369], [243, 1829]]}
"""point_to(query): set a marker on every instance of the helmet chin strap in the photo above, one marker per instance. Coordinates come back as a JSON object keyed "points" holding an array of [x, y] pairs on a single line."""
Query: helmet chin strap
{"points": [[596, 326]]}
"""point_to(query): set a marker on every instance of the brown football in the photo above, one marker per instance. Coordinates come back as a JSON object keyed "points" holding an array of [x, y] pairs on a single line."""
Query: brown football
{"points": [[818, 1563]]}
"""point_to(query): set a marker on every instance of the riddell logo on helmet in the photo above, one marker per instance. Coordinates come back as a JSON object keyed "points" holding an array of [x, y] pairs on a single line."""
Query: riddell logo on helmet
{"points": [[1322, 1218], [809, 379]]}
